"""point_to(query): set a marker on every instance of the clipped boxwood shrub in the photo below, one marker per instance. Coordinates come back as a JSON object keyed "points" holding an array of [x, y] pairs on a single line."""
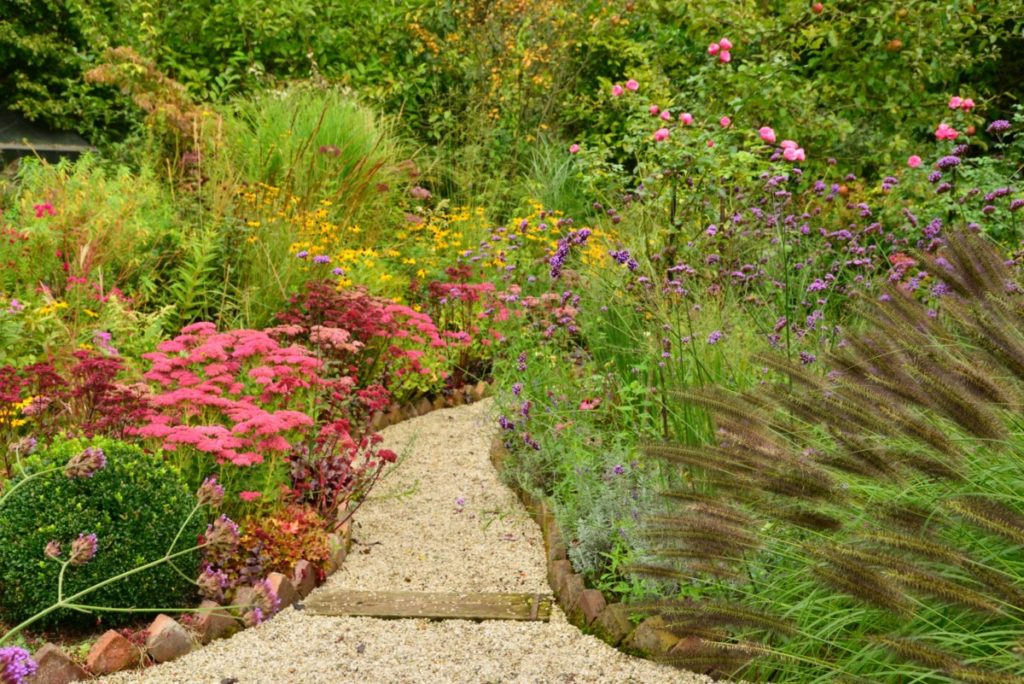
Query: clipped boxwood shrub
{"points": [[134, 505]]}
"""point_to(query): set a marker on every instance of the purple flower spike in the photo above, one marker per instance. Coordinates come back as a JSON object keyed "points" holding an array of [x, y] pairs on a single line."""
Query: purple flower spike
{"points": [[86, 463], [83, 549], [16, 665]]}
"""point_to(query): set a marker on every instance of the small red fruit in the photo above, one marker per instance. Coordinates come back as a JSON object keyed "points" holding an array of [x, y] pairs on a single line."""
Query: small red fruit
{"points": [[970, 130], [817, 8]]}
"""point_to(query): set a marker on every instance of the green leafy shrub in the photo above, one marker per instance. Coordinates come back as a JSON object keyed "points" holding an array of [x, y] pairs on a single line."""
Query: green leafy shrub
{"points": [[135, 507]]}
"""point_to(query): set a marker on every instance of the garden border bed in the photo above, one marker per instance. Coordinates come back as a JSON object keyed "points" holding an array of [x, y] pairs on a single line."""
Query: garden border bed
{"points": [[167, 639], [587, 608]]}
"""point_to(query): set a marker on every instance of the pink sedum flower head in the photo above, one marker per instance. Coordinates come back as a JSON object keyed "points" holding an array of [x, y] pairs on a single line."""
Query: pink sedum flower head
{"points": [[724, 56], [574, 148], [249, 496], [913, 161], [617, 90], [653, 109], [767, 134], [955, 102], [967, 105], [666, 115], [632, 85], [711, 143], [713, 49], [661, 135], [725, 122], [686, 118], [725, 44], [786, 144]]}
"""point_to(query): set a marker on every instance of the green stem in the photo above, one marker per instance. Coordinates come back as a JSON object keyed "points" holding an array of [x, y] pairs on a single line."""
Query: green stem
{"points": [[29, 478], [69, 602]]}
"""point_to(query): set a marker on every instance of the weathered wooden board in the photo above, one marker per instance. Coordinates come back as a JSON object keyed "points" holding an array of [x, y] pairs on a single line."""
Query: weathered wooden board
{"points": [[410, 604]]}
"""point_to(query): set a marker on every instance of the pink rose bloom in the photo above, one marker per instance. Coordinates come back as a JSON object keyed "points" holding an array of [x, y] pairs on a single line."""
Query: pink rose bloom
{"points": [[724, 57], [725, 44], [955, 102], [767, 134], [632, 85], [713, 49], [617, 90], [945, 132], [967, 105], [793, 153], [725, 121], [574, 148], [249, 496], [666, 115], [653, 109], [661, 134], [711, 143], [686, 118], [913, 161], [786, 144]]}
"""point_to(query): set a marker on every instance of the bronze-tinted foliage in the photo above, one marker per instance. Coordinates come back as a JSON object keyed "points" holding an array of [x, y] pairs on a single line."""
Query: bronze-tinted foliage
{"points": [[915, 400]]}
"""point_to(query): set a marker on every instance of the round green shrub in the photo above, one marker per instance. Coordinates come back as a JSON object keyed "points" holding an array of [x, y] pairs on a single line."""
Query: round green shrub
{"points": [[135, 506]]}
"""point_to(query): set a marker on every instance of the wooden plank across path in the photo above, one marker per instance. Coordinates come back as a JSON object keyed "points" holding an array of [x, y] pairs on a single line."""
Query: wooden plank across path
{"points": [[411, 604]]}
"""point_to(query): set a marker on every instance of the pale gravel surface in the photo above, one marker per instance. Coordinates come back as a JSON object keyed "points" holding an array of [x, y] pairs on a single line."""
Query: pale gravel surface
{"points": [[412, 536]]}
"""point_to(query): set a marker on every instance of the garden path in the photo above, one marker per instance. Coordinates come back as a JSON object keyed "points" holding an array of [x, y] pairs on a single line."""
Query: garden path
{"points": [[441, 521]]}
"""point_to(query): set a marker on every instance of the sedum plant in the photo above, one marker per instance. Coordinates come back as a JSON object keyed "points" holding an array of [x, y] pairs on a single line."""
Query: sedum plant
{"points": [[865, 525]]}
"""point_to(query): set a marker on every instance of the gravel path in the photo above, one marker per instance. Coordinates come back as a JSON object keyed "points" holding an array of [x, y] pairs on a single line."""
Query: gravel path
{"points": [[414, 535]]}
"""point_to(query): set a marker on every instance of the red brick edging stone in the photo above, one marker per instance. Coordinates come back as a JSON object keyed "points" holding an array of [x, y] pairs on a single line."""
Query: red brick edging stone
{"points": [[167, 639], [587, 608]]}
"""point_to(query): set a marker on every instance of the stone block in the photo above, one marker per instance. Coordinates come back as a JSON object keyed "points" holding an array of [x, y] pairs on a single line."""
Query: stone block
{"points": [[112, 653], [304, 577], [284, 589], [613, 624], [591, 604], [214, 622], [569, 597], [56, 667], [423, 406], [651, 639], [167, 639], [557, 572]]}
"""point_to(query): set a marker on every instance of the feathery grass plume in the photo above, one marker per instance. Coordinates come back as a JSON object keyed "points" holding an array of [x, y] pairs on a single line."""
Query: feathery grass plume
{"points": [[982, 380], [874, 460], [906, 516], [723, 658], [709, 457], [662, 572], [947, 395], [810, 519], [927, 465], [945, 589], [856, 579], [898, 541], [911, 576], [716, 612], [990, 515], [949, 663]]}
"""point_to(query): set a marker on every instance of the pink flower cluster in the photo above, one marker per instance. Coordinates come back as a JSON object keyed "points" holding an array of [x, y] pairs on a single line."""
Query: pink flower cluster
{"points": [[946, 132], [721, 48], [964, 103], [631, 85], [791, 151], [228, 394]]}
